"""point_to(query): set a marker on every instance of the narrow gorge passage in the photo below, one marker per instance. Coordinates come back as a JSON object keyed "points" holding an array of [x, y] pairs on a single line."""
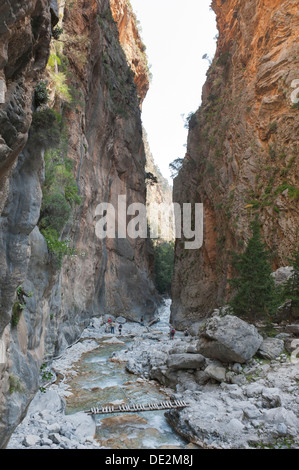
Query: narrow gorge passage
{"points": [[75, 140]]}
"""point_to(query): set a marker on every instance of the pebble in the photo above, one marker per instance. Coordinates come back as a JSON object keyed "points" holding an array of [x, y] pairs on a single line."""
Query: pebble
{"points": [[31, 440]]}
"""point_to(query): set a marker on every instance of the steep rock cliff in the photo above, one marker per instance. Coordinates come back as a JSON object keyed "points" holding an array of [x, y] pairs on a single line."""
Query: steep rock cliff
{"points": [[25, 37], [159, 193], [134, 48], [103, 132], [242, 154]]}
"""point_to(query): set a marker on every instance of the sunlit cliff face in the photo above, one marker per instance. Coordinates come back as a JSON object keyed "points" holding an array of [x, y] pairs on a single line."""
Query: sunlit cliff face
{"points": [[132, 44], [242, 149]]}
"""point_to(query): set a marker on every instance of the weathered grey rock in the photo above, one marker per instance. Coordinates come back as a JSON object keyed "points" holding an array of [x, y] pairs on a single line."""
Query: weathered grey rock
{"points": [[31, 440], [239, 379], [186, 361], [293, 328], [48, 401], [83, 424], [47, 416], [282, 429], [229, 376], [192, 349], [46, 442], [252, 412], [179, 349], [53, 428], [66, 443], [201, 377], [216, 372], [54, 12], [195, 328], [229, 339], [253, 390], [121, 320], [271, 397], [237, 368], [181, 380], [271, 348], [281, 415], [55, 438], [154, 321], [96, 322], [234, 426], [292, 345], [281, 275]]}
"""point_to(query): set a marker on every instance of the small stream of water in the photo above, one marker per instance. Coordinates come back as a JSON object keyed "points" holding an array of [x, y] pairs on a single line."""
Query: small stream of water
{"points": [[100, 381]]}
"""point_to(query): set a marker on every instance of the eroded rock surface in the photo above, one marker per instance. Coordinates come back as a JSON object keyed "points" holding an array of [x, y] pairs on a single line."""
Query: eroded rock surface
{"points": [[229, 339], [241, 153], [105, 147]]}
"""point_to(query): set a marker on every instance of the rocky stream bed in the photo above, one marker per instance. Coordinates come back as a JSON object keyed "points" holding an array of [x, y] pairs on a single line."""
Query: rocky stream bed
{"points": [[242, 388]]}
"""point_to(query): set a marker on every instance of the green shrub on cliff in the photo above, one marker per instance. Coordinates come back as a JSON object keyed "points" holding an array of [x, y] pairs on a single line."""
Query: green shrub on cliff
{"points": [[55, 210], [19, 305], [41, 95], [59, 248], [45, 129], [60, 193]]}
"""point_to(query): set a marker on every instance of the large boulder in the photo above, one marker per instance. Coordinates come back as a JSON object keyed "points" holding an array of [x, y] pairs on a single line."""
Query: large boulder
{"points": [[271, 348], [49, 400], [185, 361], [216, 371], [83, 424], [229, 339]]}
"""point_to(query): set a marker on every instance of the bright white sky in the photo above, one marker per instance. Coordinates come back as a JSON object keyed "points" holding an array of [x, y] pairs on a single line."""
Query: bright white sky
{"points": [[176, 34]]}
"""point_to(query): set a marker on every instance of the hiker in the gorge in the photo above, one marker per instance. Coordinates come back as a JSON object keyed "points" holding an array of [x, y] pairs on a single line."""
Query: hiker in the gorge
{"points": [[172, 332], [142, 321], [112, 325], [120, 328]]}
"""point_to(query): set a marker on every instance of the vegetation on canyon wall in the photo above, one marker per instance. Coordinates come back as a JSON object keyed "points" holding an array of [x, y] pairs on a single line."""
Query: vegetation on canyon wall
{"points": [[60, 191]]}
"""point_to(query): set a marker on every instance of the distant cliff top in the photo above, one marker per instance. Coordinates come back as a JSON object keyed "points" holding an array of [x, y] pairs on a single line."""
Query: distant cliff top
{"points": [[132, 44]]}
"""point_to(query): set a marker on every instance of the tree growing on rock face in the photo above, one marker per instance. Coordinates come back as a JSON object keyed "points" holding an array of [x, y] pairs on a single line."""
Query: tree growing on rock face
{"points": [[253, 285]]}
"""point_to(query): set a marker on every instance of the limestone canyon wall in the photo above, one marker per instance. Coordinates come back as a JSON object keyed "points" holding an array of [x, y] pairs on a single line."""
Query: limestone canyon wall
{"points": [[242, 153], [158, 198], [103, 131], [134, 48]]}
